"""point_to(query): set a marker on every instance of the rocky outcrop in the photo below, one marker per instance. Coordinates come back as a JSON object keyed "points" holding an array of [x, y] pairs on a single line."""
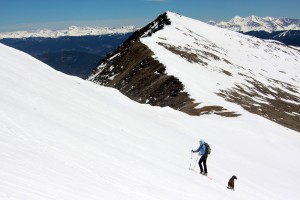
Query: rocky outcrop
{"points": [[273, 103], [136, 74]]}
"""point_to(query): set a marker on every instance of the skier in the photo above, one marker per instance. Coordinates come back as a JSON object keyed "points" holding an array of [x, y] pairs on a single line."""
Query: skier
{"points": [[203, 152]]}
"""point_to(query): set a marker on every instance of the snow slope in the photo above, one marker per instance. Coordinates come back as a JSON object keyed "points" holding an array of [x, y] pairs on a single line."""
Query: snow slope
{"points": [[65, 138]]}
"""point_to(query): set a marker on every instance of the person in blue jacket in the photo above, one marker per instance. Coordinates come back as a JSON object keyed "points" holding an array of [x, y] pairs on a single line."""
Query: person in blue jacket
{"points": [[202, 151]]}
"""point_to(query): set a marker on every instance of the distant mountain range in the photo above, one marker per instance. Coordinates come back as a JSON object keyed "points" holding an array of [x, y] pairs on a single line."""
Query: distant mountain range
{"points": [[291, 37], [71, 31], [73, 55], [74, 51], [254, 23], [285, 30]]}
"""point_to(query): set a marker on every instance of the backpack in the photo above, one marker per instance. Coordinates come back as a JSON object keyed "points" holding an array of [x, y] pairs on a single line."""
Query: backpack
{"points": [[208, 149]]}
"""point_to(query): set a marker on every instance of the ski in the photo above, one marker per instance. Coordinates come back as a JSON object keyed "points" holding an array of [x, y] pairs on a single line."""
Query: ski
{"points": [[210, 178]]}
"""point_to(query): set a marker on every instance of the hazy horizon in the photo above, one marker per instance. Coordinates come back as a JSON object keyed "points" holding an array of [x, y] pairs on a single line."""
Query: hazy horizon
{"points": [[19, 15]]}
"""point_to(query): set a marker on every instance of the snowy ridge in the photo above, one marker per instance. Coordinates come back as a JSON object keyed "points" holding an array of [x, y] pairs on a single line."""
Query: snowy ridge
{"points": [[71, 31], [65, 138], [229, 65], [254, 23], [222, 71]]}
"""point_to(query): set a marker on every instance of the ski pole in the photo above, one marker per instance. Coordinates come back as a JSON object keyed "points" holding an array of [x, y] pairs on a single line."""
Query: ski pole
{"points": [[191, 160], [195, 162]]}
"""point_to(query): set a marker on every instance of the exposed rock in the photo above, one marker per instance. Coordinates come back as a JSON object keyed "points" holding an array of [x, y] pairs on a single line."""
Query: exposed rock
{"points": [[140, 77], [272, 103]]}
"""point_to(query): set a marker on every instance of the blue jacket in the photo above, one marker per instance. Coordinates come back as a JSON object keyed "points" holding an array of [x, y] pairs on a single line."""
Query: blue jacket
{"points": [[201, 149]]}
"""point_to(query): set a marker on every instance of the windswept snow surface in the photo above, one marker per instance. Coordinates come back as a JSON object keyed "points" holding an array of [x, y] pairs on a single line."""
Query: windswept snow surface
{"points": [[64, 138]]}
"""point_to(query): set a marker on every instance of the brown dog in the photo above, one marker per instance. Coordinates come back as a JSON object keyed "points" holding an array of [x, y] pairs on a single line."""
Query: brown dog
{"points": [[231, 182]]}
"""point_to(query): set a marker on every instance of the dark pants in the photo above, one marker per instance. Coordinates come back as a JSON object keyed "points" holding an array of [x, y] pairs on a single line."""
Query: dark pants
{"points": [[203, 160]]}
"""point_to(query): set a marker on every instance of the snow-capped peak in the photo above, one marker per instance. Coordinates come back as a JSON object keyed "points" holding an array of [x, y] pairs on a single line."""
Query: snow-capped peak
{"points": [[236, 19], [70, 31], [254, 23], [185, 47]]}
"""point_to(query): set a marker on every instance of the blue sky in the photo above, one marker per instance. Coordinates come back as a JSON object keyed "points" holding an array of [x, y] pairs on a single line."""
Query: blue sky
{"points": [[58, 14]]}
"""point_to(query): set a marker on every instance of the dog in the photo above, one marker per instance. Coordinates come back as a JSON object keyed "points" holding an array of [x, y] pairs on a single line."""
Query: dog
{"points": [[231, 182]]}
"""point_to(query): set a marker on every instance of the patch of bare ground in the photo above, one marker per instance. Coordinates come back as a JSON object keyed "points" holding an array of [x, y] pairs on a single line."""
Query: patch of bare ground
{"points": [[226, 72], [279, 104], [186, 54]]}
